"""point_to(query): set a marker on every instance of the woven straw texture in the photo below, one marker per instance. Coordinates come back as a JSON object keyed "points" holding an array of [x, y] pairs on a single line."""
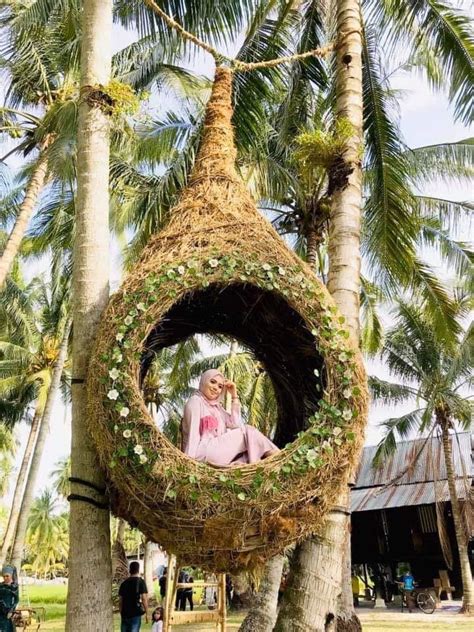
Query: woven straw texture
{"points": [[220, 267]]}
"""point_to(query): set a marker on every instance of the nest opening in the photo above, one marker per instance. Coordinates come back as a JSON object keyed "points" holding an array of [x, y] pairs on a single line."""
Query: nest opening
{"points": [[264, 322]]}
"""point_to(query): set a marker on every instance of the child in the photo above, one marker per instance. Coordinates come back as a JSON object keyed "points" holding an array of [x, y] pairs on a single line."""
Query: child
{"points": [[157, 620]]}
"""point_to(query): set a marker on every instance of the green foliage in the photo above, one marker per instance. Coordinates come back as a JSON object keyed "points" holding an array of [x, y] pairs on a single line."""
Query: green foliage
{"points": [[123, 99], [434, 370], [320, 148]]}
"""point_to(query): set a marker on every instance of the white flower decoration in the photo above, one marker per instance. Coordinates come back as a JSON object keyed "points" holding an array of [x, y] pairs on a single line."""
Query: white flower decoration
{"points": [[138, 449], [113, 394], [124, 412], [266, 266], [343, 356], [181, 270], [347, 392], [143, 458], [336, 431], [213, 263], [141, 307], [119, 337], [170, 272], [281, 271], [114, 373], [118, 357], [128, 320], [127, 433], [348, 374], [347, 414], [269, 274]]}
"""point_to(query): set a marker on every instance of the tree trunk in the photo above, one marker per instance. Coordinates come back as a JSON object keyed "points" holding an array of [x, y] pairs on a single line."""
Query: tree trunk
{"points": [[32, 193], [28, 495], [310, 601], [466, 574], [312, 241], [243, 593], [148, 569], [89, 601], [263, 611], [347, 619], [119, 556], [345, 219], [19, 487]]}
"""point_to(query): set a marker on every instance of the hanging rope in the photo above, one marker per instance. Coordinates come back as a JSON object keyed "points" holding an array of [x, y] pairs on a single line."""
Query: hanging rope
{"points": [[236, 63]]}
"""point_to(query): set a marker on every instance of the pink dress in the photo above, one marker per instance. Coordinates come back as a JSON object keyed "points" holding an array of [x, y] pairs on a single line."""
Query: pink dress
{"points": [[212, 435]]}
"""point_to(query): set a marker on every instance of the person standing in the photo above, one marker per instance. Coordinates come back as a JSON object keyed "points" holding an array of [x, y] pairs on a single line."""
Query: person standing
{"points": [[188, 594], [8, 598], [162, 583], [133, 600]]}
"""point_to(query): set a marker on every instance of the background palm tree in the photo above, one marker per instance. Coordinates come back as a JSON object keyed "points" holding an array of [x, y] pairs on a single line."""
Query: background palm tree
{"points": [[436, 374], [47, 537]]}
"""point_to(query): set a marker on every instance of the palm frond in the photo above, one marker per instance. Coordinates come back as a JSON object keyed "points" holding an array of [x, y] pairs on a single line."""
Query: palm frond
{"points": [[389, 223], [390, 393], [396, 427]]}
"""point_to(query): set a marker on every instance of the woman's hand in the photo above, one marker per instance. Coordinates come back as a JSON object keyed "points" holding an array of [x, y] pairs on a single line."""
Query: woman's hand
{"points": [[231, 388]]}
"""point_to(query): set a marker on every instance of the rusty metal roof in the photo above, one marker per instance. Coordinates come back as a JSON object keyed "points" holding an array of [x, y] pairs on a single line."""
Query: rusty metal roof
{"points": [[428, 467], [372, 498], [414, 477]]}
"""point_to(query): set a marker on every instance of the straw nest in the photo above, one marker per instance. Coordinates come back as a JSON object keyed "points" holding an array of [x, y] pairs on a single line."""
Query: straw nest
{"points": [[219, 267]]}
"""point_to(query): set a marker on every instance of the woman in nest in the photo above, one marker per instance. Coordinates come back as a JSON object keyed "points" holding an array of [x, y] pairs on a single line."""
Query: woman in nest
{"points": [[213, 435]]}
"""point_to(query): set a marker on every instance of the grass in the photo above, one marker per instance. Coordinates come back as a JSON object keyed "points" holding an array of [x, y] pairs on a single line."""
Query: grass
{"points": [[53, 599]]}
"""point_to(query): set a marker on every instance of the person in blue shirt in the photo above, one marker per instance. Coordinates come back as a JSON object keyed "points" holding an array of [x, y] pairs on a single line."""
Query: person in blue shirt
{"points": [[407, 585], [408, 581]]}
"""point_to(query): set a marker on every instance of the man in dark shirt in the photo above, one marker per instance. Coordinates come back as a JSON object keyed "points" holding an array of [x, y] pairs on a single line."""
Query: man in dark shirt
{"points": [[133, 600]]}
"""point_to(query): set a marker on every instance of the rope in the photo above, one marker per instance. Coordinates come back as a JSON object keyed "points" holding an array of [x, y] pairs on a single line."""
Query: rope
{"points": [[81, 481], [86, 499], [235, 63]]}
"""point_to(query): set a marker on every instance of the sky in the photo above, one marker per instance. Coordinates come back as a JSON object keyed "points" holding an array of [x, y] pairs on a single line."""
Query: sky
{"points": [[426, 118]]}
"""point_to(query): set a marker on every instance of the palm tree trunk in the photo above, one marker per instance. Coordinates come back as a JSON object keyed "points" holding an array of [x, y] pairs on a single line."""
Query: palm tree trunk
{"points": [[19, 487], [345, 219], [312, 241], [89, 601], [28, 495], [466, 574], [148, 569], [262, 614], [33, 191], [310, 600], [119, 556]]}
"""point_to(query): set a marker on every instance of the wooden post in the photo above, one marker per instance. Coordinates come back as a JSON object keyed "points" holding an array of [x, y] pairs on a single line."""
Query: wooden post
{"points": [[169, 603], [172, 617], [221, 596]]}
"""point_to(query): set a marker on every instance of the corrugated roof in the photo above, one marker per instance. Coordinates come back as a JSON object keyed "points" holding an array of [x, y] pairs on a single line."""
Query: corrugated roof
{"points": [[372, 498], [428, 467]]}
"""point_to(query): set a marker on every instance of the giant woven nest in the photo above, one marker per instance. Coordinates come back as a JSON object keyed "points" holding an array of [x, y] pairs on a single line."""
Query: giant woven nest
{"points": [[220, 267]]}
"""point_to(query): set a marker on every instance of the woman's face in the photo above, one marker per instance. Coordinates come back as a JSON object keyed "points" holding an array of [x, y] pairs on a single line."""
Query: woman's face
{"points": [[7, 578], [213, 387]]}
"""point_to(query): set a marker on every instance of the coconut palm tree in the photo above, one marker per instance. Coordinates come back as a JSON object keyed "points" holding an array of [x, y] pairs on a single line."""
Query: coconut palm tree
{"points": [[47, 537], [33, 366], [60, 476], [437, 374], [89, 602], [39, 65], [7, 452]]}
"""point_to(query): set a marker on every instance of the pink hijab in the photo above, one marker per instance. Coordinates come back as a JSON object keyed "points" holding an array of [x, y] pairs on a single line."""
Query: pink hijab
{"points": [[205, 378]]}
